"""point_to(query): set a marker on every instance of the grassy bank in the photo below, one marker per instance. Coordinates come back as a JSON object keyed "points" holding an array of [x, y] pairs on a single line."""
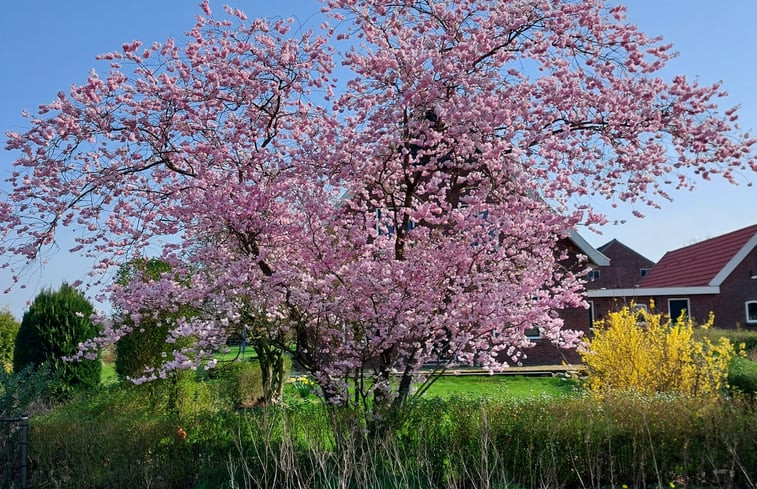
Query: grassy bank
{"points": [[119, 438]]}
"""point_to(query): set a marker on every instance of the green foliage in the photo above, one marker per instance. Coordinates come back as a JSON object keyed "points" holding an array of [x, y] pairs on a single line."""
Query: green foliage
{"points": [[51, 329], [30, 390], [240, 383], [145, 346], [742, 376], [8, 331], [113, 438]]}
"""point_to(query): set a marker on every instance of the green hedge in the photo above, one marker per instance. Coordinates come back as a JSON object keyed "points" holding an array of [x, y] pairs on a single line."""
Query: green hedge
{"points": [[439, 443], [745, 339], [742, 376]]}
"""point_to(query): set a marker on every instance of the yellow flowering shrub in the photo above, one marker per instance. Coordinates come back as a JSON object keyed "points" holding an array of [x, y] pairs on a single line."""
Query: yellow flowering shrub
{"points": [[646, 352]]}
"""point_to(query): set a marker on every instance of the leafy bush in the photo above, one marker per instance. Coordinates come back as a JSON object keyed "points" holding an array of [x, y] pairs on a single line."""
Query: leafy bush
{"points": [[144, 346], [742, 376], [31, 390], [51, 329], [237, 384], [635, 350], [8, 331]]}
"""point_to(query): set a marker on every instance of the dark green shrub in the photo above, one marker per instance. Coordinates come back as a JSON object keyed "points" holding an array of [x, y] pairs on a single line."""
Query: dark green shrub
{"points": [[145, 345], [8, 331], [51, 329], [237, 384], [30, 391], [141, 348], [742, 376]]}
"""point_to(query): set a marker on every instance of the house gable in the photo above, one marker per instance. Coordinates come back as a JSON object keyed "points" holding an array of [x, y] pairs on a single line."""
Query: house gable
{"points": [[626, 267], [735, 261]]}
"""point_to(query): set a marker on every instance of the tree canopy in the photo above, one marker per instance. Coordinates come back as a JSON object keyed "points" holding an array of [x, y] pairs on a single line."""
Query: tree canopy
{"points": [[381, 193]]}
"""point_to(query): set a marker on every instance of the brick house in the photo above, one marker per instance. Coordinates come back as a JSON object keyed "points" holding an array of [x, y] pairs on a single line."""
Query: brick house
{"points": [[626, 269], [545, 353], [718, 275]]}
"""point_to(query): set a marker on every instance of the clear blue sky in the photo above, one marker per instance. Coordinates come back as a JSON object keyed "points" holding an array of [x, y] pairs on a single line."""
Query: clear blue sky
{"points": [[46, 45]]}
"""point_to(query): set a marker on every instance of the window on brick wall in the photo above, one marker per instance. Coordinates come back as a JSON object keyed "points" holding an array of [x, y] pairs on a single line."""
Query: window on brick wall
{"points": [[532, 333], [751, 312], [678, 306]]}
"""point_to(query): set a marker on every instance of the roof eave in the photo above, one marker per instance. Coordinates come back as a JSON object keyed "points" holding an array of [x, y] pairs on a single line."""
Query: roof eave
{"points": [[591, 253]]}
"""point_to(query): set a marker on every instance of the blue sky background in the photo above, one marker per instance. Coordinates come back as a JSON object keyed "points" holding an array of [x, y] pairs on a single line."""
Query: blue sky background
{"points": [[46, 45]]}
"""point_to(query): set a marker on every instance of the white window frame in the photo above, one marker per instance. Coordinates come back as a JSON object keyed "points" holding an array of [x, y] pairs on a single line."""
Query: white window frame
{"points": [[637, 308], [688, 309], [746, 311]]}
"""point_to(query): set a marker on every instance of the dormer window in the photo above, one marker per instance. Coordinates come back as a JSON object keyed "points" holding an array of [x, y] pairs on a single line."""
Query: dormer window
{"points": [[593, 275]]}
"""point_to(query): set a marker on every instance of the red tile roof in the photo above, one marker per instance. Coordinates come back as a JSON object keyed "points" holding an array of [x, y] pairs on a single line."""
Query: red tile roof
{"points": [[697, 264]]}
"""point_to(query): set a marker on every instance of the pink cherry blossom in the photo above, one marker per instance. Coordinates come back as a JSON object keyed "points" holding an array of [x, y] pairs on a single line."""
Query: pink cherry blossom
{"points": [[404, 208]]}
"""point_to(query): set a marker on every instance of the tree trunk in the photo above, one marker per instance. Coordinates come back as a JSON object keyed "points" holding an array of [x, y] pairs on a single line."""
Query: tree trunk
{"points": [[271, 361]]}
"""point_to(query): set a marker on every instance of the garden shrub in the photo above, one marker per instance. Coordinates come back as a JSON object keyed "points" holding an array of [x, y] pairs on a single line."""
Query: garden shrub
{"points": [[742, 376], [144, 346], [648, 353], [52, 329], [8, 331], [30, 390], [238, 383]]}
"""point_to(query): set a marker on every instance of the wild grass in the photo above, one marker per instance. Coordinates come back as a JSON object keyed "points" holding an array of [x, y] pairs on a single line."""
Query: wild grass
{"points": [[467, 432], [437, 443]]}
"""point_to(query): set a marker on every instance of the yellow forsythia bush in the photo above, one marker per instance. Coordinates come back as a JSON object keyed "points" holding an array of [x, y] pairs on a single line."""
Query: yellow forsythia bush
{"points": [[647, 353]]}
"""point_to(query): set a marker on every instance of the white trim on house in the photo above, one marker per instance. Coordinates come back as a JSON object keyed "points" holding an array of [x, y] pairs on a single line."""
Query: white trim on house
{"points": [[639, 292], [734, 262], [592, 253]]}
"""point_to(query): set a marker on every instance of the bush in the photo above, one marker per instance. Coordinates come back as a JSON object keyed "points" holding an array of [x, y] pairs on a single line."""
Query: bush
{"points": [[742, 376], [51, 329], [144, 346], [8, 331], [30, 391], [237, 384], [648, 353]]}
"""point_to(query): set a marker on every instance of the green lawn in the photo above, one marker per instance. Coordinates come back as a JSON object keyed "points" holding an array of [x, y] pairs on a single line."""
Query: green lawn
{"points": [[494, 386], [108, 373], [234, 353], [502, 386]]}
